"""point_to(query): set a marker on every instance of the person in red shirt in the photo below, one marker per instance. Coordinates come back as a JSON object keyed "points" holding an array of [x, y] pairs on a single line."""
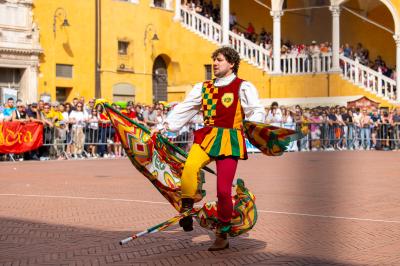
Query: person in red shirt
{"points": [[250, 31], [130, 111]]}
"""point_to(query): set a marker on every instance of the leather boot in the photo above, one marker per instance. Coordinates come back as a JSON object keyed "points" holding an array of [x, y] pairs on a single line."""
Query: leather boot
{"points": [[187, 222], [221, 242], [221, 237]]}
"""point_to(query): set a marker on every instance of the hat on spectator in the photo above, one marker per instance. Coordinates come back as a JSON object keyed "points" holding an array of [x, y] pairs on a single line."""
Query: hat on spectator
{"points": [[34, 104], [55, 104], [313, 42]]}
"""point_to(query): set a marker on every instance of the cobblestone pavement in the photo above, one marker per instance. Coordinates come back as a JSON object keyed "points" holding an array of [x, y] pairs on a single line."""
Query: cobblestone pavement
{"points": [[314, 209]]}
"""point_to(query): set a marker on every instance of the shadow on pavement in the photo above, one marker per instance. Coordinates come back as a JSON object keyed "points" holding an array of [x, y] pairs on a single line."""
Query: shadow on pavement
{"points": [[36, 243]]}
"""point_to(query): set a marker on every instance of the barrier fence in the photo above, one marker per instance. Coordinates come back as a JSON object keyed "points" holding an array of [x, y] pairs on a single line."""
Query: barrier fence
{"points": [[76, 141]]}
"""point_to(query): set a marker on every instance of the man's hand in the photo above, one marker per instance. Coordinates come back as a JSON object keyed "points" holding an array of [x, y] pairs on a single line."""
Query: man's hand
{"points": [[154, 131]]}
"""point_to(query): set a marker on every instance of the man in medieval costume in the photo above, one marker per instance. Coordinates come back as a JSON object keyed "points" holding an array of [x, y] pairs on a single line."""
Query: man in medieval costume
{"points": [[224, 102]]}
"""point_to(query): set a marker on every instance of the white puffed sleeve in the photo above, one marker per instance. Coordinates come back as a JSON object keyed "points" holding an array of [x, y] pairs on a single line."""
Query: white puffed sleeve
{"points": [[252, 107], [186, 110]]}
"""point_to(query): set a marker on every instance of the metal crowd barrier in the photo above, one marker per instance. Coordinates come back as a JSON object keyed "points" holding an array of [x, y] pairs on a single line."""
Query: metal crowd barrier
{"points": [[68, 140], [321, 136]]}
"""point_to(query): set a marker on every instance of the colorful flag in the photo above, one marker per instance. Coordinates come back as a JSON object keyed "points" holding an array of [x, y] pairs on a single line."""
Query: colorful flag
{"points": [[271, 140], [162, 163]]}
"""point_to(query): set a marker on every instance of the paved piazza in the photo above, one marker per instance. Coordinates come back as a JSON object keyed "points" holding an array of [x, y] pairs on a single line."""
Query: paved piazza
{"points": [[332, 208]]}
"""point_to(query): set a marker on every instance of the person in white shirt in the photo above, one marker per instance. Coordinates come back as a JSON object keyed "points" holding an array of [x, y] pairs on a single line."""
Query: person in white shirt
{"points": [[78, 120], [274, 116], [224, 102]]}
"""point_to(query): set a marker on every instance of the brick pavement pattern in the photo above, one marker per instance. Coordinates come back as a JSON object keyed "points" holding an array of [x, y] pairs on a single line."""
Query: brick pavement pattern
{"points": [[314, 209]]}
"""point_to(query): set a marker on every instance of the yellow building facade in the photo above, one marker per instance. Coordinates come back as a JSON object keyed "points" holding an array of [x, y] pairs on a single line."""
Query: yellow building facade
{"points": [[141, 53]]}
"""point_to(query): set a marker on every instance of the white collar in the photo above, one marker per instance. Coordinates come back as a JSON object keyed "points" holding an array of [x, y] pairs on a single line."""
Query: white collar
{"points": [[225, 80]]}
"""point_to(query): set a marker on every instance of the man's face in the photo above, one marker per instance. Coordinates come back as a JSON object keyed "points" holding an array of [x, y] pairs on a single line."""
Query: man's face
{"points": [[21, 108], [46, 109], [221, 67], [10, 103]]}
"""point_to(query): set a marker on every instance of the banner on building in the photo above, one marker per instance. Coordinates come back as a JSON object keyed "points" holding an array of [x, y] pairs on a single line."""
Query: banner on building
{"points": [[363, 103], [17, 137]]}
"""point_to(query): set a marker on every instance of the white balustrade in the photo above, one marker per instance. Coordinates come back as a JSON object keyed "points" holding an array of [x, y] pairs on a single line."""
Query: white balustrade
{"points": [[201, 25], [367, 78]]}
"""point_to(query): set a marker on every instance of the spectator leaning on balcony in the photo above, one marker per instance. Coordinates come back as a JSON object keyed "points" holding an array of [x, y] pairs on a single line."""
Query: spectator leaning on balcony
{"points": [[347, 51], [314, 49], [232, 20], [250, 31], [78, 120]]}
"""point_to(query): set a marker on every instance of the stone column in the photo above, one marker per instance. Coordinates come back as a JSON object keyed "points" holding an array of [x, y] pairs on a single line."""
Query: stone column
{"points": [[397, 40], [276, 15], [31, 84], [335, 37], [225, 21], [177, 16]]}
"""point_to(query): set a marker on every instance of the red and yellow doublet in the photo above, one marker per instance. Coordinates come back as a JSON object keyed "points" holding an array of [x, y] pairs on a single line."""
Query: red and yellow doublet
{"points": [[223, 115]]}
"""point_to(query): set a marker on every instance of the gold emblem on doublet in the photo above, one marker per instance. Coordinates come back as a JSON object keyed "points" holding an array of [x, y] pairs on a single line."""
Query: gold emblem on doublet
{"points": [[227, 99]]}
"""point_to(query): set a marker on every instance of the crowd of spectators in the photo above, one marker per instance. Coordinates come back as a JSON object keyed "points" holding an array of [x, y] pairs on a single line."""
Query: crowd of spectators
{"points": [[78, 129], [82, 130], [338, 127]]}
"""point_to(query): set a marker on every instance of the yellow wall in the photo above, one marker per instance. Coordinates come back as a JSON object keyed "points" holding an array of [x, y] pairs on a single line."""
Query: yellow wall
{"points": [[72, 45], [320, 85], [176, 44]]}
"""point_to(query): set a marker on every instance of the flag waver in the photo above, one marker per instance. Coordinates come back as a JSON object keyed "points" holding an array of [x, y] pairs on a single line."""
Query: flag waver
{"points": [[162, 163]]}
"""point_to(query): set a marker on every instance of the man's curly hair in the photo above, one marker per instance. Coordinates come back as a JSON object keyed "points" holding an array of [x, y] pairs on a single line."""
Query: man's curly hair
{"points": [[230, 55]]}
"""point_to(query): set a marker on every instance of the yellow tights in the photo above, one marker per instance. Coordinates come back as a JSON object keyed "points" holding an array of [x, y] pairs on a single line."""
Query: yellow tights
{"points": [[196, 160]]}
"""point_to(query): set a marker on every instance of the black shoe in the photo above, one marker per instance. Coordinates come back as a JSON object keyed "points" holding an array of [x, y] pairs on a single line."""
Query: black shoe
{"points": [[187, 222]]}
